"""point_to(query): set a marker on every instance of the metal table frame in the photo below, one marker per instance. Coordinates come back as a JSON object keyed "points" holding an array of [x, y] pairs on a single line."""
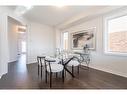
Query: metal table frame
{"points": [[84, 57]]}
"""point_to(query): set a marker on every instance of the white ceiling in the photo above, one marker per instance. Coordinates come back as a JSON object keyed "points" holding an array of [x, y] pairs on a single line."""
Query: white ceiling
{"points": [[61, 16], [53, 16]]}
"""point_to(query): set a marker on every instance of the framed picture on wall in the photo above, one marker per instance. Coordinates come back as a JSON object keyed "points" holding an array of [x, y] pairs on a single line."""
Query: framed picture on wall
{"points": [[82, 38]]}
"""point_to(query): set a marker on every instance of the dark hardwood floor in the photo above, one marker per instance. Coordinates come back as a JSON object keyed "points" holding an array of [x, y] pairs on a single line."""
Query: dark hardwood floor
{"points": [[20, 76]]}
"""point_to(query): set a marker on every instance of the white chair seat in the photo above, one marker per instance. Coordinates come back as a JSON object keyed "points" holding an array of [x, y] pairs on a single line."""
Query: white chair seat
{"points": [[51, 58], [71, 55], [73, 63], [55, 67]]}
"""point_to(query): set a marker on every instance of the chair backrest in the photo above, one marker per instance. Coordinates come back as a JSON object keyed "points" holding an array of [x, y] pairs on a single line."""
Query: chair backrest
{"points": [[40, 60], [48, 61]]}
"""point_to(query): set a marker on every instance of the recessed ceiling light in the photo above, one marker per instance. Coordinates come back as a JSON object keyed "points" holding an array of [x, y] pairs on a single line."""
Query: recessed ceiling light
{"points": [[60, 6], [28, 7]]}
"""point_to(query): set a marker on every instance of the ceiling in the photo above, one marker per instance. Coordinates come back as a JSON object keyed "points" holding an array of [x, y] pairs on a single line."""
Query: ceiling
{"points": [[52, 15], [55, 16]]}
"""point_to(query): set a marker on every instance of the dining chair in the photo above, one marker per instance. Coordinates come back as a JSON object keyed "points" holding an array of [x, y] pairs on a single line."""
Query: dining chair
{"points": [[41, 63], [52, 66], [74, 63]]}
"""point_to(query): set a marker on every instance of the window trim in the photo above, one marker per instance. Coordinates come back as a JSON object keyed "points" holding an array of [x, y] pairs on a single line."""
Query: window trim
{"points": [[105, 33]]}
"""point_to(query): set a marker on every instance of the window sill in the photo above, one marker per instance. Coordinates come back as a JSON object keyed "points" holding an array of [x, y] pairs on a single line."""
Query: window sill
{"points": [[115, 54]]}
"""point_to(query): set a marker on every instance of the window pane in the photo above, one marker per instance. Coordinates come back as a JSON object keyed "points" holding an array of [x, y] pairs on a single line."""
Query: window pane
{"points": [[65, 40], [117, 34]]}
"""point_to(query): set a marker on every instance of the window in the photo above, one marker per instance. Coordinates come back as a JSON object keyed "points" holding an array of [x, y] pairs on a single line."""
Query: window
{"points": [[116, 35], [65, 40]]}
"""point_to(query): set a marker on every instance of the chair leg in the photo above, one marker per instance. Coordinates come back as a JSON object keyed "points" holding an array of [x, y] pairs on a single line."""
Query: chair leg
{"points": [[41, 72], [46, 76], [50, 79], [78, 69], [63, 75], [38, 70], [56, 75], [72, 69]]}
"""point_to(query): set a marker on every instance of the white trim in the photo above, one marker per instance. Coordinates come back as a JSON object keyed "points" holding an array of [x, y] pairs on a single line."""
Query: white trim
{"points": [[105, 34], [116, 53]]}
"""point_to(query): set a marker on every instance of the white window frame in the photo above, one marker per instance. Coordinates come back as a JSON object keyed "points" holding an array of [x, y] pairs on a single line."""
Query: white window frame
{"points": [[105, 34]]}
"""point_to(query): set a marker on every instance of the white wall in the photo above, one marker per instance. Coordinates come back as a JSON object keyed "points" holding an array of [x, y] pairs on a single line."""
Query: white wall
{"points": [[41, 39], [4, 50], [4, 55], [109, 63], [58, 37], [12, 40], [3, 45]]}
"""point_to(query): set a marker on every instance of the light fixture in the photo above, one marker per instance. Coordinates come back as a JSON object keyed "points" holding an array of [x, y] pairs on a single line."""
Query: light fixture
{"points": [[59, 5], [21, 29], [28, 7]]}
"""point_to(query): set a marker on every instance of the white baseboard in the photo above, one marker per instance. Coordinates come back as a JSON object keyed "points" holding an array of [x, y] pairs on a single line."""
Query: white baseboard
{"points": [[2, 74], [108, 71], [10, 61]]}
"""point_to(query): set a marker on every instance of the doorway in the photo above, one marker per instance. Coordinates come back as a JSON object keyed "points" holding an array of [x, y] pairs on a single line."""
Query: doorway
{"points": [[17, 41], [21, 39]]}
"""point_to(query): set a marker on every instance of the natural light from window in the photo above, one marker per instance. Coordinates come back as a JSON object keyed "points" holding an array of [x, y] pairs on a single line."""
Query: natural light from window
{"points": [[117, 34], [65, 40]]}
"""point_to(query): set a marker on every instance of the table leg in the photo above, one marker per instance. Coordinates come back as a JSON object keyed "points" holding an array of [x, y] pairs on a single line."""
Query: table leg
{"points": [[68, 71]]}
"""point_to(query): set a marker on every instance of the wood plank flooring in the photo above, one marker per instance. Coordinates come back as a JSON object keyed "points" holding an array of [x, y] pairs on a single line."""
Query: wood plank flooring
{"points": [[21, 76]]}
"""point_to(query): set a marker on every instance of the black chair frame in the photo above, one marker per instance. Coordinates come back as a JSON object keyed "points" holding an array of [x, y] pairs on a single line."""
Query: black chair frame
{"points": [[46, 72]]}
